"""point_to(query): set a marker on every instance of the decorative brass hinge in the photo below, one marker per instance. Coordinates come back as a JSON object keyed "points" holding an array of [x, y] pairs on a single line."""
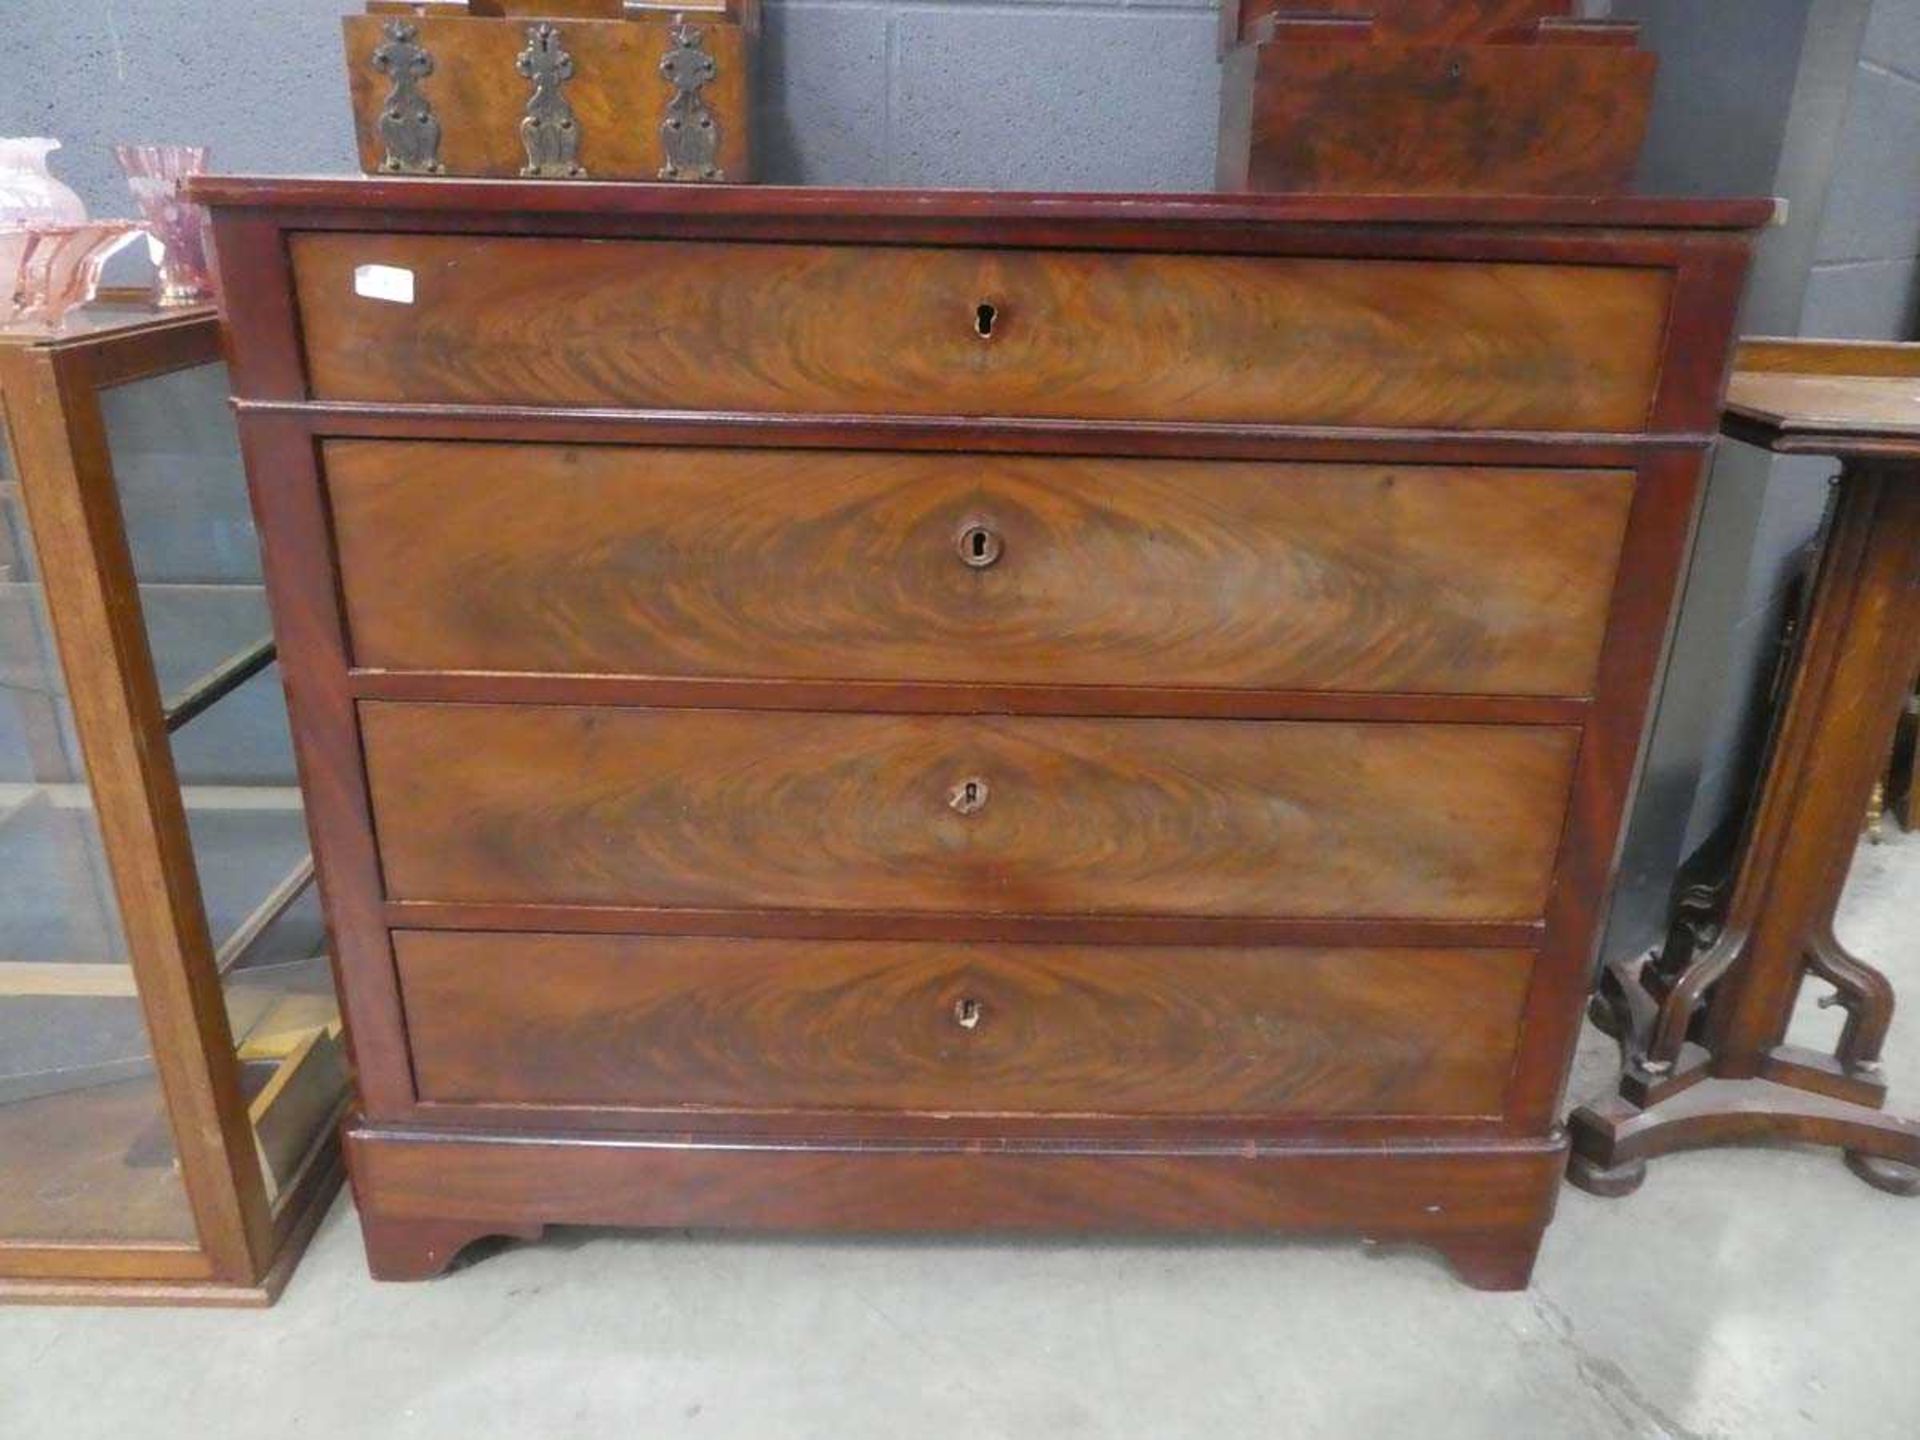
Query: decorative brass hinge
{"points": [[690, 134], [550, 132], [407, 122]]}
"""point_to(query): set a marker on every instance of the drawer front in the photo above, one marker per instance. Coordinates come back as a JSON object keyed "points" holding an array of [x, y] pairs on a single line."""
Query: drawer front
{"points": [[977, 814], [974, 568], [760, 1024], [847, 329]]}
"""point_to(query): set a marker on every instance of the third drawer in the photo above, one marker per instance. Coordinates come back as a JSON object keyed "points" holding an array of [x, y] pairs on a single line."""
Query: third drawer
{"points": [[965, 814]]}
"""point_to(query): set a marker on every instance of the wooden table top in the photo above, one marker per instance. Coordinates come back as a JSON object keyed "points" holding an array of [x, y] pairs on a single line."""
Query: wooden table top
{"points": [[1827, 397], [117, 313]]}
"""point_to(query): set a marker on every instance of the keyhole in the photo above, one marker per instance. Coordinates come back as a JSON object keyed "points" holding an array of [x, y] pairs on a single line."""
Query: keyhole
{"points": [[979, 545], [967, 1013], [984, 316], [969, 797]]}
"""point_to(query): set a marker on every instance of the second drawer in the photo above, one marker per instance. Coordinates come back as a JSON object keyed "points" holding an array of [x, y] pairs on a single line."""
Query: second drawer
{"points": [[975, 569], [965, 814]]}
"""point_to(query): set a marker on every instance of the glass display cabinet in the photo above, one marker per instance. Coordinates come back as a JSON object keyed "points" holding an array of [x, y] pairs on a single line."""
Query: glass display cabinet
{"points": [[171, 1067]]}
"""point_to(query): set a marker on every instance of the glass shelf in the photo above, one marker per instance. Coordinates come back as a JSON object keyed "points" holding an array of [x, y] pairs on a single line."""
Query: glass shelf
{"points": [[70, 1016], [207, 641], [210, 687]]}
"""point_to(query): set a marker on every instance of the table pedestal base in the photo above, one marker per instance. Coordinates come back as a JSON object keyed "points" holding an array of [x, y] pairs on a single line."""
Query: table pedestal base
{"points": [[1702, 1023], [1614, 1139]]}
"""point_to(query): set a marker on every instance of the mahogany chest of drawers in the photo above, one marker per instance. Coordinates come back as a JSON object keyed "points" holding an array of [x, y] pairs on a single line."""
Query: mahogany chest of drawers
{"points": [[936, 711]]}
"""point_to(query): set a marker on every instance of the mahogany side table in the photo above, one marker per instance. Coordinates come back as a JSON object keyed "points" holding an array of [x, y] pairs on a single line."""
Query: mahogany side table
{"points": [[1702, 1023]]}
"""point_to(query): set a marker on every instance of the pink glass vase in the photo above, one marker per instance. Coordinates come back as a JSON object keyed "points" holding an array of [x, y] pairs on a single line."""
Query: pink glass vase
{"points": [[29, 194], [60, 268], [14, 235], [177, 230]]}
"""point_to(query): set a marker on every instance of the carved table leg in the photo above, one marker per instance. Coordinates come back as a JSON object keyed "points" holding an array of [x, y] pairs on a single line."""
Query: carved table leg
{"points": [[1740, 1083], [1865, 994]]}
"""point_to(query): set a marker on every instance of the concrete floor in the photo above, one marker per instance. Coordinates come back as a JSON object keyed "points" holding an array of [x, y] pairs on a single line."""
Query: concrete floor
{"points": [[1739, 1294]]}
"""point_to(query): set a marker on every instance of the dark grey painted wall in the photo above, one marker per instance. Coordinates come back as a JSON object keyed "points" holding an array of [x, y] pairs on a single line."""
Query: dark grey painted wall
{"points": [[1752, 99]]}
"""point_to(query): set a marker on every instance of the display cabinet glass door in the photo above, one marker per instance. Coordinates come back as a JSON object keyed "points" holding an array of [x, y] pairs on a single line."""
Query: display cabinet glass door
{"points": [[183, 499], [86, 1150]]}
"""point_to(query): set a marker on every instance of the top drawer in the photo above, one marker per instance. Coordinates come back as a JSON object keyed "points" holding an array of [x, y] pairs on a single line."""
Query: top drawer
{"points": [[843, 329]]}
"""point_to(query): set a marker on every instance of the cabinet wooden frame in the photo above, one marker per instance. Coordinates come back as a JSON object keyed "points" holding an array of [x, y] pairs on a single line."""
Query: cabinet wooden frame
{"points": [[247, 1240], [432, 1176]]}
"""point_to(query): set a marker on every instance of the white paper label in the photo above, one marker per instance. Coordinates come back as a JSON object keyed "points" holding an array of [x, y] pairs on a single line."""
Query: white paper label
{"points": [[384, 282]]}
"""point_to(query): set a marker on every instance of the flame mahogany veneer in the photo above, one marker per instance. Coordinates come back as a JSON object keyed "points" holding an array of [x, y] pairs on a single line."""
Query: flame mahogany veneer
{"points": [[898, 711], [1485, 97]]}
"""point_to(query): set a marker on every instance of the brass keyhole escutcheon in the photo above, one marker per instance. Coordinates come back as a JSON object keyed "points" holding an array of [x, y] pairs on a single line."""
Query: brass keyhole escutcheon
{"points": [[985, 316], [967, 1013], [979, 545], [969, 797]]}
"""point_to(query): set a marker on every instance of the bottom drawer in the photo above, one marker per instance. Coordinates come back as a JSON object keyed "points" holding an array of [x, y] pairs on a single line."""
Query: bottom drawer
{"points": [[652, 1022]]}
